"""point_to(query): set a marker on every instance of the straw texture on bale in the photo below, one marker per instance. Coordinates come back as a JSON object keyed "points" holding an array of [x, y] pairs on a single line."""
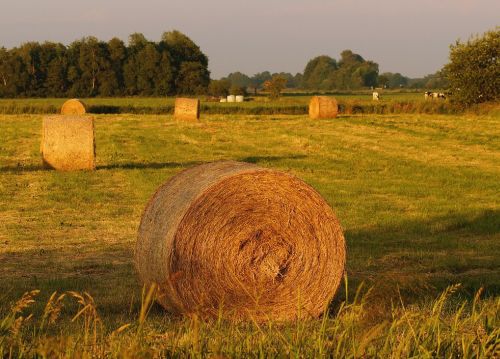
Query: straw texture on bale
{"points": [[68, 143], [323, 107], [187, 109], [249, 242], [73, 107]]}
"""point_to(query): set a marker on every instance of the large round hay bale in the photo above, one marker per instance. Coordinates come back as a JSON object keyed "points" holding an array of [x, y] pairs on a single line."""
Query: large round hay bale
{"points": [[323, 107], [240, 98], [231, 98], [73, 107], [249, 242], [187, 109], [68, 143]]}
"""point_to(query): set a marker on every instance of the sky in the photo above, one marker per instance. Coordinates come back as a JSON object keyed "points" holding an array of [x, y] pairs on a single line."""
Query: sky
{"points": [[406, 36]]}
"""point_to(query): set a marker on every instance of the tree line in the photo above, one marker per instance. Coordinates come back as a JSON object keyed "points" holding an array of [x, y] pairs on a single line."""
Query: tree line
{"points": [[176, 65], [90, 67], [324, 73]]}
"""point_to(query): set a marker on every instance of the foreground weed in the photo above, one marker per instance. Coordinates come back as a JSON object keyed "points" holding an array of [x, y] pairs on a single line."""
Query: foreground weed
{"points": [[469, 329]]}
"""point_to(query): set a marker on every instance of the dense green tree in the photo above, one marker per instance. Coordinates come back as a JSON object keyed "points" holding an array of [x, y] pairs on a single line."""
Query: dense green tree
{"points": [[55, 84], [239, 79], [318, 71], [355, 72], [350, 72], [193, 78], [117, 56], [257, 80], [166, 75], [393, 80], [219, 88], [132, 65], [275, 86], [238, 90], [474, 69], [89, 67], [297, 80], [183, 49], [147, 70], [430, 82], [290, 79], [7, 73]]}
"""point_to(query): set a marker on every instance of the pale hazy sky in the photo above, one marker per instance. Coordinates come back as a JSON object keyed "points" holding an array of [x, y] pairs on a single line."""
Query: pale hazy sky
{"points": [[407, 36]]}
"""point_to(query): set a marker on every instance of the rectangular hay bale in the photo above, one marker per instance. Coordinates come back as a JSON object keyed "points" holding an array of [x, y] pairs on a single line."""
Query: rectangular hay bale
{"points": [[68, 143], [187, 109]]}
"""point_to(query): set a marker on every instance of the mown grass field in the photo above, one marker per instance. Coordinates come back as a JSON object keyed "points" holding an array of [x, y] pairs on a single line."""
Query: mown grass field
{"points": [[417, 196]]}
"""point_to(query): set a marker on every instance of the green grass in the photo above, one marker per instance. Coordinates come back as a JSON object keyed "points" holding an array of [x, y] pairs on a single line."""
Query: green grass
{"points": [[288, 104], [417, 196]]}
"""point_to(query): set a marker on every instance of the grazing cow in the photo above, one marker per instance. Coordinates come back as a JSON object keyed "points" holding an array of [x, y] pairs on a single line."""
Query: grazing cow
{"points": [[375, 96], [438, 95], [435, 95]]}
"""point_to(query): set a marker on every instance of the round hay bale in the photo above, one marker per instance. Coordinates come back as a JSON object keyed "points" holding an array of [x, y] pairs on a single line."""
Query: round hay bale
{"points": [[249, 242], [68, 143], [187, 109], [323, 107], [239, 98], [231, 98], [73, 107]]}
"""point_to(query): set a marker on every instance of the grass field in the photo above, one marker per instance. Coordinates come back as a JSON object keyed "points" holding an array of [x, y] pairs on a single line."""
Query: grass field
{"points": [[287, 98], [417, 196], [288, 104]]}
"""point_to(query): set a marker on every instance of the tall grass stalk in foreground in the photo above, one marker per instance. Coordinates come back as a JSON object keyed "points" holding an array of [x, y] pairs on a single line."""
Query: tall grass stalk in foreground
{"points": [[444, 328]]}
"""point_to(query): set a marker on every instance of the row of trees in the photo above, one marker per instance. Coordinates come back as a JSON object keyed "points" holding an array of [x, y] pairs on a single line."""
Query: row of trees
{"points": [[176, 65], [350, 72], [238, 83], [396, 80], [89, 67]]}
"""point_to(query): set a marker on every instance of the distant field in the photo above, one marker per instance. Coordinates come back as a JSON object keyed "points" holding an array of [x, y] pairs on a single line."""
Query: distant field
{"points": [[290, 98], [417, 196], [288, 104]]}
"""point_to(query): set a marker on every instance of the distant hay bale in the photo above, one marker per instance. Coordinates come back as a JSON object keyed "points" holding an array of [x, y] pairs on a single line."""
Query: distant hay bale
{"points": [[68, 143], [239, 98], [249, 242], [231, 98], [323, 107], [73, 107], [187, 109]]}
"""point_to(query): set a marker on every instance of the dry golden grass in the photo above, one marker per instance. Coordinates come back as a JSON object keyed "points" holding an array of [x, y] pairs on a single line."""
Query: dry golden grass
{"points": [[417, 196]]}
